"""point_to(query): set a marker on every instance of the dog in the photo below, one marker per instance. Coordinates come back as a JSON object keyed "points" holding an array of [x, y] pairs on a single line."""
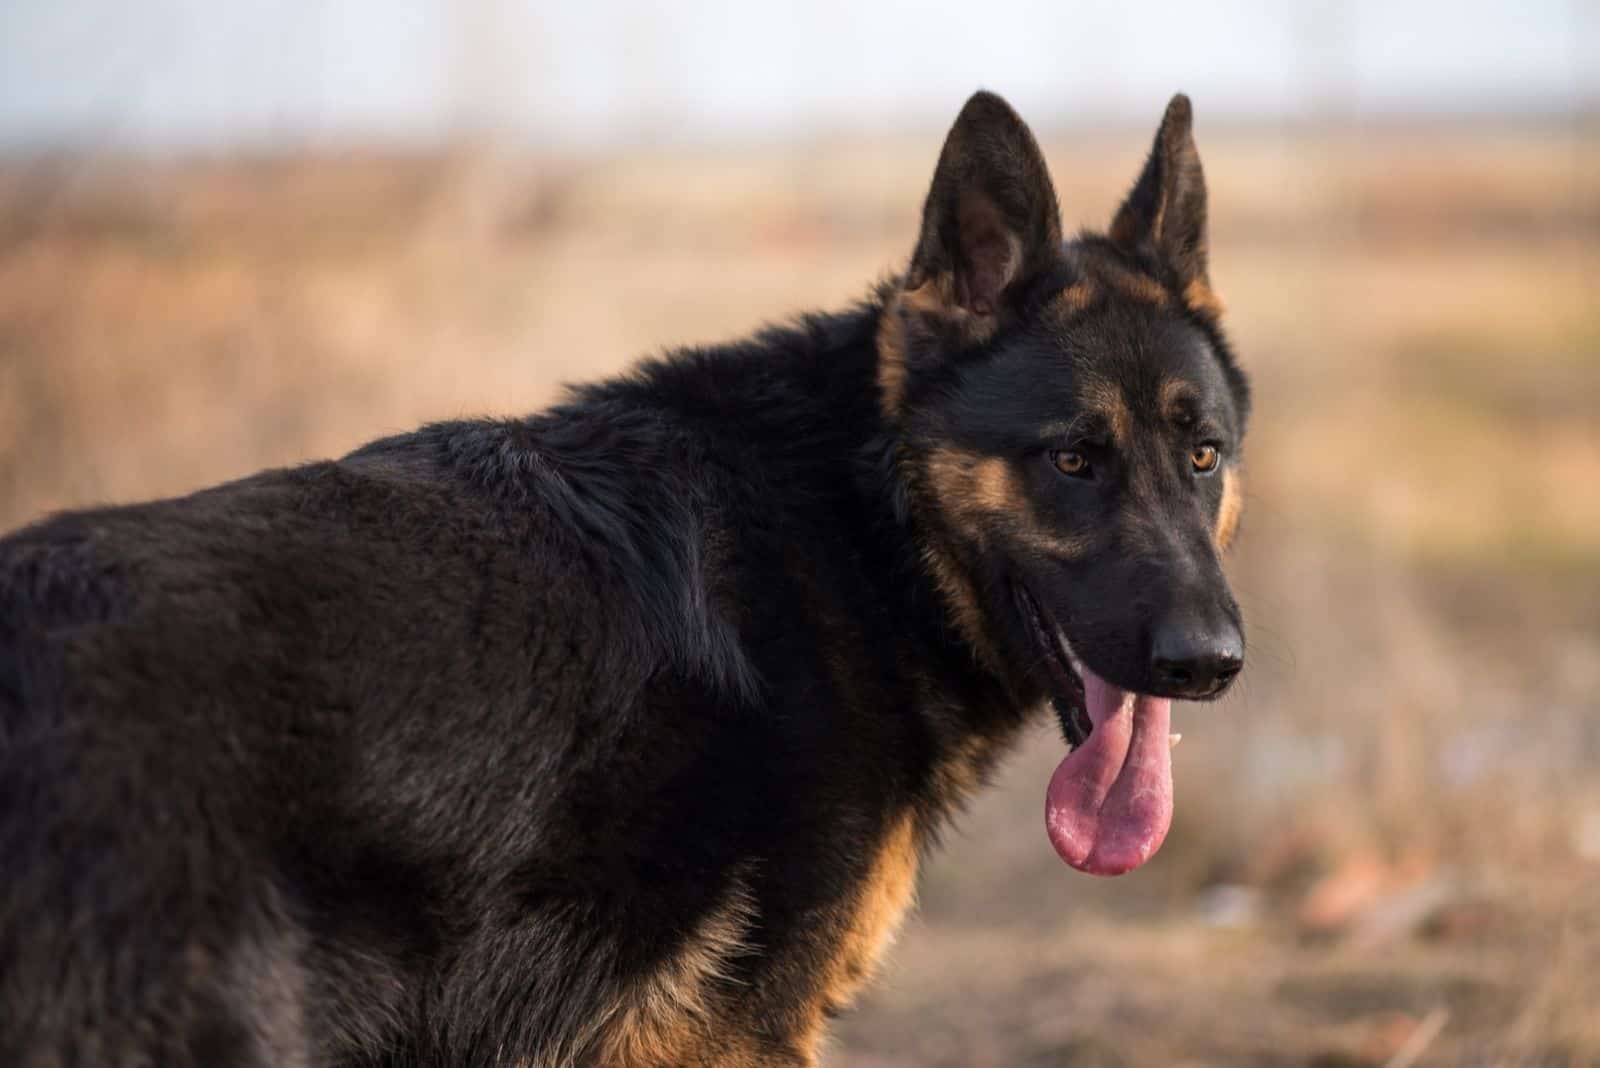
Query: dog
{"points": [[615, 735]]}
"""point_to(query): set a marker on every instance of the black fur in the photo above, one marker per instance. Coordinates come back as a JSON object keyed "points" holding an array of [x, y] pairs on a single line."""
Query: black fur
{"points": [[432, 754]]}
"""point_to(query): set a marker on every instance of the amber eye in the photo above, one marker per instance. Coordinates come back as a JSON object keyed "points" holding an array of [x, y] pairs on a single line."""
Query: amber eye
{"points": [[1069, 462], [1204, 458]]}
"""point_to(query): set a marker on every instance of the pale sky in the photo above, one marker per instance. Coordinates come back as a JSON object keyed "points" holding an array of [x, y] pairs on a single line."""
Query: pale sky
{"points": [[156, 74]]}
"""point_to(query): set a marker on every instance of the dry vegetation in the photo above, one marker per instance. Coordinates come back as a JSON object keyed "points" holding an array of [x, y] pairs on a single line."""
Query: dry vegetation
{"points": [[1388, 840]]}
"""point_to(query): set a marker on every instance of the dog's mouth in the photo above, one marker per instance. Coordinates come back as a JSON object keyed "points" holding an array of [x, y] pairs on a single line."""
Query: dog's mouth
{"points": [[1066, 683], [1109, 804]]}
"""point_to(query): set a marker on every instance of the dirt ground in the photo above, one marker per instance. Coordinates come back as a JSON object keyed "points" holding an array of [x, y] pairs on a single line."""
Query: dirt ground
{"points": [[1387, 846]]}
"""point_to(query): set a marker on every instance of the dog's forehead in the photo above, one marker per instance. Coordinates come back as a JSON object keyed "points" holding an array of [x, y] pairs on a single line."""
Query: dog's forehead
{"points": [[1104, 371], [1139, 353]]}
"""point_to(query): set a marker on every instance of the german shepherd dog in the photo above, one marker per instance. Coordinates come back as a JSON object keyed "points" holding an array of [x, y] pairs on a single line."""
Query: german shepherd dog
{"points": [[614, 735]]}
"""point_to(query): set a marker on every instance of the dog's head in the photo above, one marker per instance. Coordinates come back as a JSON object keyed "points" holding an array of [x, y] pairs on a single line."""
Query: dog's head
{"points": [[1069, 420]]}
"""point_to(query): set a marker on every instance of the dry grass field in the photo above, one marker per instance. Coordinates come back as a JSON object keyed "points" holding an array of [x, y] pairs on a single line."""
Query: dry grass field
{"points": [[1387, 846]]}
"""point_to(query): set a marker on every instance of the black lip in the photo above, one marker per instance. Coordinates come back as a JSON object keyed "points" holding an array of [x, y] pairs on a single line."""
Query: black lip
{"points": [[1065, 687]]}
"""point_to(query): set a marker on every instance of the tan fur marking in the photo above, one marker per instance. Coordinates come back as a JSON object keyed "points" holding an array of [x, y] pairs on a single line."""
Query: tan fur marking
{"points": [[670, 1016], [1107, 400], [933, 308], [943, 485], [935, 300], [1133, 284], [970, 492], [960, 774], [891, 360], [961, 601], [968, 487], [1232, 505], [882, 903], [1075, 298], [949, 476], [995, 487], [1202, 299], [932, 297], [966, 490], [1062, 546]]}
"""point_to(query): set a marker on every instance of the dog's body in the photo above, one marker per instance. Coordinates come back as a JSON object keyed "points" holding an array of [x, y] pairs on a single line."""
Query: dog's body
{"points": [[608, 736]]}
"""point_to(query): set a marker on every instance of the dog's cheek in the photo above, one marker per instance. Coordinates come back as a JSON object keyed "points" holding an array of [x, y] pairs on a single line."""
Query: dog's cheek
{"points": [[1230, 508]]}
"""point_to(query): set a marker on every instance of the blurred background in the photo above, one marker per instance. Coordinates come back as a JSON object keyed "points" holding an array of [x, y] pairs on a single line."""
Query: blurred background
{"points": [[246, 234]]}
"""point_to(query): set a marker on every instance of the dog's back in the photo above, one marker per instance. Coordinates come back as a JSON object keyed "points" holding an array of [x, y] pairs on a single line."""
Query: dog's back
{"points": [[173, 746], [260, 724]]}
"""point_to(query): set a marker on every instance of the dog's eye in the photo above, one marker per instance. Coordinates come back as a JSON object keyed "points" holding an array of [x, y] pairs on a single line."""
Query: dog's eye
{"points": [[1204, 458], [1070, 462]]}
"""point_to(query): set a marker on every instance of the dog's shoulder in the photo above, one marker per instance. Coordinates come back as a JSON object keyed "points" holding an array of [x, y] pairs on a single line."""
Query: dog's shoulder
{"points": [[621, 491]]}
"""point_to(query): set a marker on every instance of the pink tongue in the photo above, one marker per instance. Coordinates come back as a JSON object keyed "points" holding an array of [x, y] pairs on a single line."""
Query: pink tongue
{"points": [[1109, 804]]}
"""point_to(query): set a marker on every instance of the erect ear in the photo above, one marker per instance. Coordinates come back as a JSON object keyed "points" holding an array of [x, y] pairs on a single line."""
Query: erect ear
{"points": [[990, 219], [1165, 215]]}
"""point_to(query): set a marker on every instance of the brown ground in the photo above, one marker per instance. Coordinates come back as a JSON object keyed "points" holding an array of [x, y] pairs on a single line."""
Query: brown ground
{"points": [[1388, 839]]}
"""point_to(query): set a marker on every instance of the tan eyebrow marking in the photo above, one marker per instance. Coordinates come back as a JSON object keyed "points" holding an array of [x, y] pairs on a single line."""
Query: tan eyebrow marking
{"points": [[1075, 298], [1107, 401], [1134, 284]]}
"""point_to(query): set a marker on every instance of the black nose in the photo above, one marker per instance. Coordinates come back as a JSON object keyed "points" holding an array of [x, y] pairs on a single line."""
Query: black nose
{"points": [[1195, 662]]}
